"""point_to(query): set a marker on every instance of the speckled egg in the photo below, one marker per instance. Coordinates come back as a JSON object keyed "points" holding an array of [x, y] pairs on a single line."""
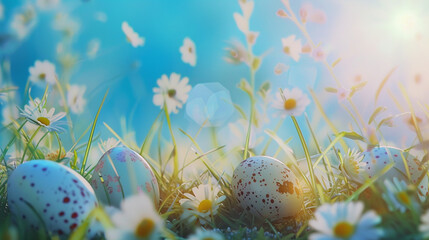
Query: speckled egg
{"points": [[121, 172], [265, 187], [378, 158], [58, 195]]}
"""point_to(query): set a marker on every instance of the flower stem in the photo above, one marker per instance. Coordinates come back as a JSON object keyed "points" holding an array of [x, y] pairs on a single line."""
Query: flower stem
{"points": [[29, 142], [252, 113], [307, 156], [175, 156]]}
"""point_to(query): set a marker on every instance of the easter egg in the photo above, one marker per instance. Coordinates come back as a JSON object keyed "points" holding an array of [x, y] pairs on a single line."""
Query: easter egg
{"points": [[120, 173], [267, 188], [45, 192], [375, 160]]}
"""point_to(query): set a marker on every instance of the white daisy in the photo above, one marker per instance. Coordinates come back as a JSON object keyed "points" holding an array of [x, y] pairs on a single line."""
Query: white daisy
{"points": [[24, 21], [42, 72], [47, 4], [66, 24], [132, 36], [293, 102], [136, 220], [75, 99], [353, 166], [172, 91], [397, 196], [37, 114], [237, 54], [292, 47], [202, 234], [203, 204], [342, 220], [189, 54], [424, 226]]}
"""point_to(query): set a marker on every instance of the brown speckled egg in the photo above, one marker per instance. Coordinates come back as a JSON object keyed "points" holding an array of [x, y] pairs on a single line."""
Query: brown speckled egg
{"points": [[265, 187]]}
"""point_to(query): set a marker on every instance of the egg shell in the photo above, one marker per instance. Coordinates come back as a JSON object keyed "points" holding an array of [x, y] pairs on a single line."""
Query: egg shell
{"points": [[267, 188], [379, 157], [124, 173], [60, 196]]}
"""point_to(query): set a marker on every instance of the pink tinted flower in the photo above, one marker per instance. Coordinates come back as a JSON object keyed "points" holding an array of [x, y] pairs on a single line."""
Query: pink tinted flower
{"points": [[310, 14], [282, 13], [318, 54], [342, 94], [280, 68]]}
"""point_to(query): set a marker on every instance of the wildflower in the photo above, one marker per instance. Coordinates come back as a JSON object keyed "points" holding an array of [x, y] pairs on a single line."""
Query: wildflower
{"points": [[292, 47], [188, 52], [203, 204], [318, 54], [132, 36], [353, 165], [201, 234], [424, 226], [172, 92], [47, 4], [108, 144], [66, 24], [242, 21], [24, 21], [280, 68], [237, 54], [75, 99], [293, 102], [136, 220], [342, 220], [42, 72], [58, 155], [37, 114], [397, 195], [310, 14], [343, 94]]}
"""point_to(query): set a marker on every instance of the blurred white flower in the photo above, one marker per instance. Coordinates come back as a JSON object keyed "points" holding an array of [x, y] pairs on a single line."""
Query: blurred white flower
{"points": [[37, 114], [237, 54], [318, 54], [93, 47], [424, 226], [108, 144], [75, 99], [67, 25], [47, 4], [137, 219], [293, 102], [396, 195], [42, 72], [172, 91], [203, 204], [189, 54], [132, 36], [342, 220], [343, 94], [280, 68], [24, 21], [292, 47], [100, 16], [310, 14], [9, 113], [202, 234]]}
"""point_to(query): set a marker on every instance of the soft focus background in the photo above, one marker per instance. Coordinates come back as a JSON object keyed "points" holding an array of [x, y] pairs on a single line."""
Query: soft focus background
{"points": [[370, 37]]}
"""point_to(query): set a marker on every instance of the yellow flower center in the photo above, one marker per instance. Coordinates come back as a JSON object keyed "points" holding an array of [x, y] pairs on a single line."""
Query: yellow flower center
{"points": [[403, 198], [286, 50], [290, 104], [171, 92], [44, 121], [42, 76], [343, 230], [145, 228], [205, 206]]}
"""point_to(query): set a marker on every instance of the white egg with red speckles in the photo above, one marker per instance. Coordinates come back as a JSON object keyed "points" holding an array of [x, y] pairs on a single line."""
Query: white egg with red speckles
{"points": [[267, 188], [120, 173], [375, 160], [43, 190]]}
